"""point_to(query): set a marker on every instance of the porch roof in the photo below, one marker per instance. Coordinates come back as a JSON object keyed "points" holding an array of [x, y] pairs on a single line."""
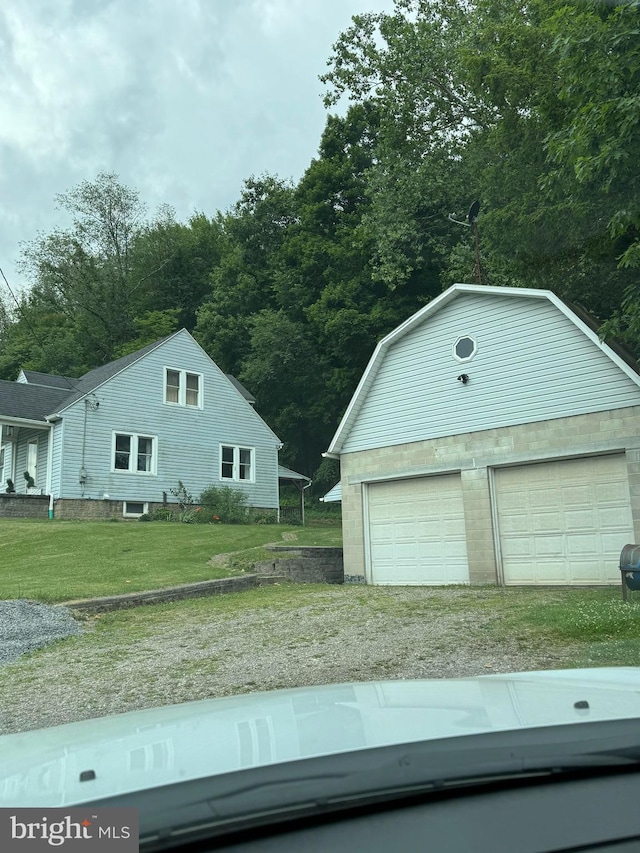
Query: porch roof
{"points": [[21, 401]]}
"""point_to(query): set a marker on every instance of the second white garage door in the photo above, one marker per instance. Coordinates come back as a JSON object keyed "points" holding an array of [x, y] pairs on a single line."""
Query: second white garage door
{"points": [[416, 531], [564, 522]]}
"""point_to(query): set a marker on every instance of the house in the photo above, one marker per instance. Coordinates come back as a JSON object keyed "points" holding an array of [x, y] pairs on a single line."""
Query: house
{"points": [[117, 440], [334, 495], [493, 438]]}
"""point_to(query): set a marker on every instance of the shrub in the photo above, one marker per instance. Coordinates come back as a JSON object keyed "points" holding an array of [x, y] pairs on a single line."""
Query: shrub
{"points": [[162, 513], [263, 516], [145, 517], [223, 504]]}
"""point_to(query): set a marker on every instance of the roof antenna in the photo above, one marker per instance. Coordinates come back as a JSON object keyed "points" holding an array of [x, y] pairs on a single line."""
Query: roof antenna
{"points": [[472, 222]]}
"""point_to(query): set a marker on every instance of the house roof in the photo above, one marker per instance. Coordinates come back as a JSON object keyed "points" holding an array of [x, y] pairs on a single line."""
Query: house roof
{"points": [[21, 401], [288, 474], [49, 380], [576, 315], [248, 397]]}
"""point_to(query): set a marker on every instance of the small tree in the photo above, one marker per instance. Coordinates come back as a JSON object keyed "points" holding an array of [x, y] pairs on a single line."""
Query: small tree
{"points": [[186, 507]]}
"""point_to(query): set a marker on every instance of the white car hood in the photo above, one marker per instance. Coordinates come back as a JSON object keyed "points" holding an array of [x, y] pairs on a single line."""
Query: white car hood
{"points": [[158, 746]]}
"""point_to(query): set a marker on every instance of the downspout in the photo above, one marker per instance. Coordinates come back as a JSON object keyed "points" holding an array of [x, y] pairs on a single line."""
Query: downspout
{"points": [[304, 488], [14, 453], [50, 470]]}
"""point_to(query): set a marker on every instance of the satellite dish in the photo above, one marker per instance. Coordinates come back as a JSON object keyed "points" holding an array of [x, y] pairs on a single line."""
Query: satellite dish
{"points": [[472, 216]]}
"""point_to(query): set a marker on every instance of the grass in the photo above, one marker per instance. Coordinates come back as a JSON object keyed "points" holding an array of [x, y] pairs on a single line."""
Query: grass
{"points": [[61, 560], [595, 625], [604, 628]]}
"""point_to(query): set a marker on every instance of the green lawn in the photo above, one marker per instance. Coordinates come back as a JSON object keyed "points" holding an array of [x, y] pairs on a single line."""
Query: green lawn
{"points": [[63, 560]]}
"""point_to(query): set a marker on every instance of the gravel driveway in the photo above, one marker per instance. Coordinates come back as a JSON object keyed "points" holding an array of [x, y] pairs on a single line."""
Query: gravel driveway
{"points": [[206, 648]]}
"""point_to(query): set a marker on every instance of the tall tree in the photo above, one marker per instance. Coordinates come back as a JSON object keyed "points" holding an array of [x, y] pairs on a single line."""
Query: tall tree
{"points": [[530, 106], [86, 272], [241, 283]]}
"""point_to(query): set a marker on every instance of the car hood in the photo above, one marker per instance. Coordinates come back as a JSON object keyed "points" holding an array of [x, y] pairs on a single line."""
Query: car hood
{"points": [[92, 759]]}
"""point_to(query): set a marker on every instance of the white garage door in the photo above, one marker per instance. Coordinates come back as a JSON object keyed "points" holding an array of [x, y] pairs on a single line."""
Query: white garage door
{"points": [[416, 531], [564, 522]]}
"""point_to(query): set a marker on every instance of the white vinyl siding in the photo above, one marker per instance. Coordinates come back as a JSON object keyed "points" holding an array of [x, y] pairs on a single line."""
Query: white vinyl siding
{"points": [[182, 388], [417, 532], [236, 463], [2, 474], [563, 522], [532, 364]]}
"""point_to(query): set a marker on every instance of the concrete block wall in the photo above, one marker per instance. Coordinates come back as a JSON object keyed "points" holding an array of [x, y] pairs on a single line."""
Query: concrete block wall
{"points": [[473, 455], [304, 564], [87, 509], [24, 506]]}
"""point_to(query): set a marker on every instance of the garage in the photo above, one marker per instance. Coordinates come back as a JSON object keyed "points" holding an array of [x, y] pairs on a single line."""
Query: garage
{"points": [[563, 522], [416, 531]]}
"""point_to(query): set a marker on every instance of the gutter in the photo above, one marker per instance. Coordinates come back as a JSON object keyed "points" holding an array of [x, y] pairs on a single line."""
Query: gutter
{"points": [[25, 422]]}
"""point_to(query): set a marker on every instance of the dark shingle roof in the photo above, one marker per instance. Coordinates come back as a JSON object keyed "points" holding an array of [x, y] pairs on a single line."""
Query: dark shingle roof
{"points": [[237, 384], [31, 402], [49, 380], [45, 394]]}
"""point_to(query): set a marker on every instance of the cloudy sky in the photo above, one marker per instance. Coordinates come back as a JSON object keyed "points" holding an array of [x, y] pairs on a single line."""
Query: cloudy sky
{"points": [[183, 99]]}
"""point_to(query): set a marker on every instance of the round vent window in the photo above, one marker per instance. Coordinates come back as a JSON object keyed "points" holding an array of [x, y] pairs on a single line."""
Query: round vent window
{"points": [[465, 348]]}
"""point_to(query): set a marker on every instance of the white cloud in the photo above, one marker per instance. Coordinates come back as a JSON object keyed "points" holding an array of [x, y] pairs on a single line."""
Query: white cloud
{"points": [[184, 99]]}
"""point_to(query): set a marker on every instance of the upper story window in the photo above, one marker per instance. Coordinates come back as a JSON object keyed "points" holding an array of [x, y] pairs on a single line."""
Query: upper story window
{"points": [[134, 453], [236, 463], [182, 388], [465, 348]]}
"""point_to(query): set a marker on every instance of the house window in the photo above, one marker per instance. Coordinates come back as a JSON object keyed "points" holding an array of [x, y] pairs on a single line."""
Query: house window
{"points": [[236, 463], [134, 509], [465, 348], [182, 388], [134, 453]]}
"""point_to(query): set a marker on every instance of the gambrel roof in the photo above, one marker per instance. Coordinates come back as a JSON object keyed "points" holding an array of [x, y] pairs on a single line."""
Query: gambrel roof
{"points": [[578, 320]]}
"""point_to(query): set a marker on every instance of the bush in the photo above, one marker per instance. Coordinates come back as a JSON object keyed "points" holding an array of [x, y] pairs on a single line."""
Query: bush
{"points": [[162, 513], [263, 516], [222, 504]]}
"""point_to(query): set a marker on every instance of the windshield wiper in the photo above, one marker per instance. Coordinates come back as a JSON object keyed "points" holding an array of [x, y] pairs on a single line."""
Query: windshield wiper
{"points": [[231, 802]]}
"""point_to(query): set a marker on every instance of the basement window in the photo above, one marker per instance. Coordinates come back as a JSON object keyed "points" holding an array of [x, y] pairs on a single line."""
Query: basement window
{"points": [[134, 509], [465, 348]]}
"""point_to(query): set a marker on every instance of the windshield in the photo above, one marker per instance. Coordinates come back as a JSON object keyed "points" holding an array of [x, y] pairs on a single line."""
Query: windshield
{"points": [[318, 328]]}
